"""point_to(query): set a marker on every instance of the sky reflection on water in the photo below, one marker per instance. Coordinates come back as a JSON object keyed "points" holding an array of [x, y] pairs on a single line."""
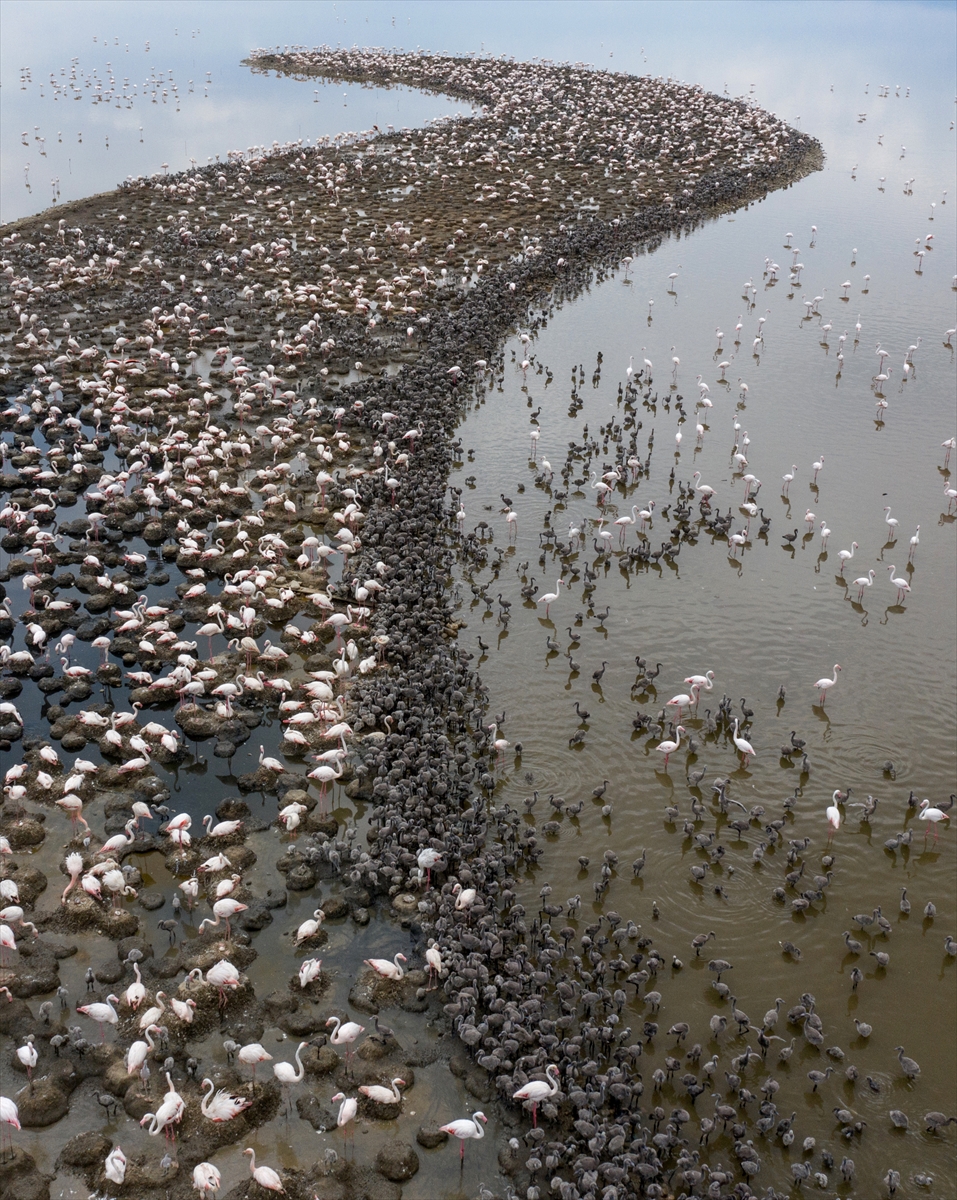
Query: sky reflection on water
{"points": [[788, 56]]}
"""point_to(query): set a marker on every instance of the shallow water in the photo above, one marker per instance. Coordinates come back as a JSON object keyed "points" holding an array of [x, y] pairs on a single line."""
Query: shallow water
{"points": [[767, 617]]}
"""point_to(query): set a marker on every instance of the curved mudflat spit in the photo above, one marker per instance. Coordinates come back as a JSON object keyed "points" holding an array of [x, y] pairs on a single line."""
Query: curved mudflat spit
{"points": [[245, 376]]}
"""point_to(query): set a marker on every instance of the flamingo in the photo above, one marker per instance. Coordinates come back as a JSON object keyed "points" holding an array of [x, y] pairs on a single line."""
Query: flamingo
{"points": [[667, 748], [537, 1091], [270, 764], [344, 1035], [219, 862], [169, 1113], [222, 975], [914, 543], [706, 491], [464, 897], [705, 681], [927, 813], [206, 1178], [823, 684], [468, 1127], [221, 828], [135, 994], [788, 478], [891, 523], [846, 555], [384, 1095], [27, 1054], [624, 522], [499, 745], [153, 1014], [139, 1051], [308, 929], [286, 1073], [742, 744], [548, 598], [9, 1113], [684, 700], [74, 866], [253, 1054], [865, 581], [433, 956], [833, 815], [903, 587], [385, 968], [816, 467], [103, 1014], [119, 841], [426, 860], [183, 1009], [73, 806], [309, 971], [190, 889], [266, 1177], [223, 910], [325, 775], [115, 1166], [348, 1107]]}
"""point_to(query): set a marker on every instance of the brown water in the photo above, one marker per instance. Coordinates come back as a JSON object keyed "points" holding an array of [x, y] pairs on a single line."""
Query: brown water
{"points": [[767, 617]]}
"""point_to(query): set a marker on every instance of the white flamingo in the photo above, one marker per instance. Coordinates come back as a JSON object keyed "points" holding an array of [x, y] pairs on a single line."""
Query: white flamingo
{"points": [[537, 1091], [822, 685], [385, 968], [466, 1128], [742, 744]]}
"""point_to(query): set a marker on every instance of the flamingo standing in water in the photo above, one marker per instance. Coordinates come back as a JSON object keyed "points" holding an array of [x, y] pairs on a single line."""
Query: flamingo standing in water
{"points": [[224, 910], [348, 1106], [286, 1073], [936, 815], [538, 1090], [823, 684], [344, 1035], [468, 1127], [9, 1114], [865, 581], [683, 700], [667, 748], [103, 1014], [548, 598], [743, 745], [903, 587], [252, 1055], [833, 815], [846, 555], [169, 1113]]}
